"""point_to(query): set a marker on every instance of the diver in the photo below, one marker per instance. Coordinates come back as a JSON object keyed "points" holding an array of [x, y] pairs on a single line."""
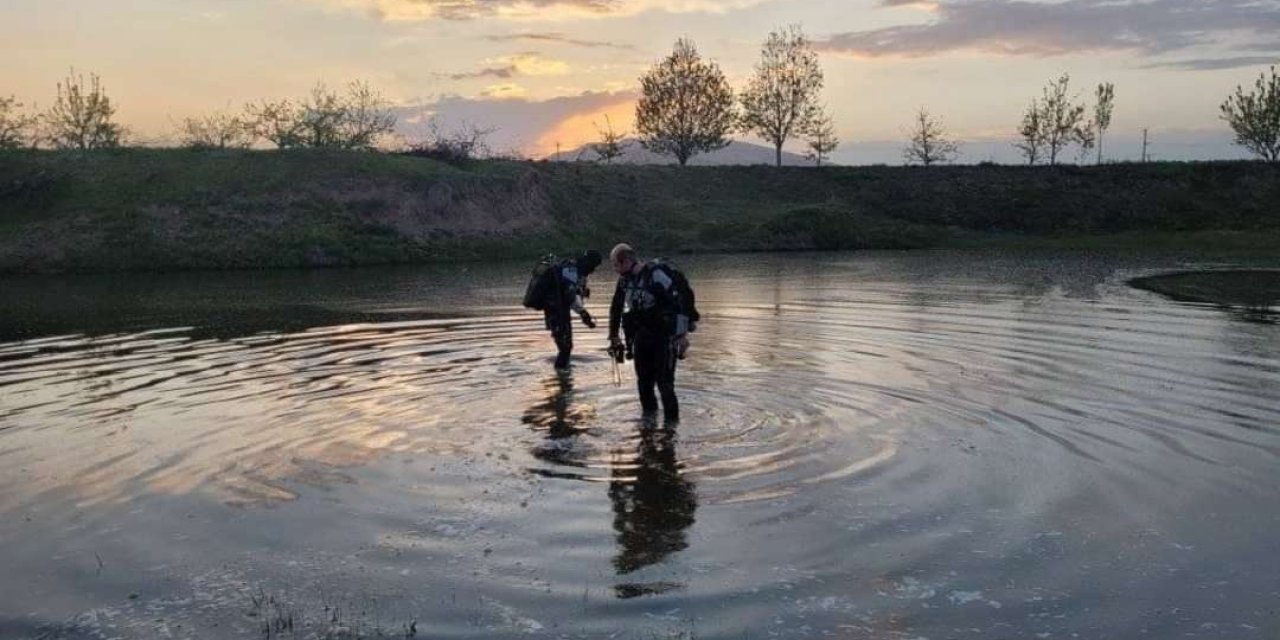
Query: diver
{"points": [[557, 288], [654, 306]]}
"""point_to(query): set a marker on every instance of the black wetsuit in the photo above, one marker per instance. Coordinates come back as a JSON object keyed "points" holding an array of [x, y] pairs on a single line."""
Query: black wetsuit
{"points": [[653, 311], [565, 297]]}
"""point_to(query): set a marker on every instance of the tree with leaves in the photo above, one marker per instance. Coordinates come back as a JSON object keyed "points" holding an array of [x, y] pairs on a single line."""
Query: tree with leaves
{"points": [[1106, 95], [325, 119], [685, 106], [275, 121], [1255, 117], [612, 143], [81, 117], [781, 100], [1061, 119], [219, 130], [17, 129], [928, 143], [821, 139]]}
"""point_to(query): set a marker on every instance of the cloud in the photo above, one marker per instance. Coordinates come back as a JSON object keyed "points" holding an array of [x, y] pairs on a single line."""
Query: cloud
{"points": [[532, 63], [928, 5], [491, 72], [529, 63], [531, 10], [1216, 64], [520, 123], [504, 91], [1024, 27], [554, 37]]}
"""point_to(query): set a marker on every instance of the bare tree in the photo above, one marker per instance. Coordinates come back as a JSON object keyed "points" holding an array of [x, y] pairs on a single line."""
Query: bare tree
{"points": [[612, 143], [81, 117], [821, 139], [685, 106], [458, 145], [781, 100], [218, 130], [928, 143], [17, 129], [1106, 95], [367, 117], [1031, 131], [1255, 117]]}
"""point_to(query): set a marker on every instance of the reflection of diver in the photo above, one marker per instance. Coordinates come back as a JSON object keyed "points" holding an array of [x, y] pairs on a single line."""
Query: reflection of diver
{"points": [[653, 504], [558, 416]]}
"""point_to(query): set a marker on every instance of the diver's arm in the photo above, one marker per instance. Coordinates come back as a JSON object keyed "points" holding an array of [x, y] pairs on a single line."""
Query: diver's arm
{"points": [[615, 309]]}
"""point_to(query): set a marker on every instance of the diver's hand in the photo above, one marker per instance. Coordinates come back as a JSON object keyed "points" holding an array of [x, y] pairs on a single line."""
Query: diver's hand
{"points": [[587, 319], [681, 344]]}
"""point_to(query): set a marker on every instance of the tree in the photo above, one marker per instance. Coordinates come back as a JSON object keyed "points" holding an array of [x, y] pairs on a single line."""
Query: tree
{"points": [[325, 119], [821, 139], [929, 143], [1031, 132], [81, 116], [1061, 120], [17, 129], [612, 144], [216, 131], [457, 146], [366, 119], [1255, 117], [276, 122], [1106, 95], [685, 106], [781, 100]]}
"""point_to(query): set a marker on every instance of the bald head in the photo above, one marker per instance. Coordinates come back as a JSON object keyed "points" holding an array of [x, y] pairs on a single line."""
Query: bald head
{"points": [[622, 257]]}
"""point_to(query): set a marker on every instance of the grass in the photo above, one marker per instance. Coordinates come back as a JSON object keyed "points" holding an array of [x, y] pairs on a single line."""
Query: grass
{"points": [[169, 209]]}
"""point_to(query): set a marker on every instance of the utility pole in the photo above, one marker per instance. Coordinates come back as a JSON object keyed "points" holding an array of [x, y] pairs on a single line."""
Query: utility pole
{"points": [[557, 151], [1144, 145]]}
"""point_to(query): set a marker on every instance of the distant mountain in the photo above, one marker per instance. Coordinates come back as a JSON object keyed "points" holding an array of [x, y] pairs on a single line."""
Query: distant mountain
{"points": [[736, 153]]}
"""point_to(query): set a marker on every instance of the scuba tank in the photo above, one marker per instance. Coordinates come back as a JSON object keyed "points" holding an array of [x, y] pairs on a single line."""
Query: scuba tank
{"points": [[542, 283]]}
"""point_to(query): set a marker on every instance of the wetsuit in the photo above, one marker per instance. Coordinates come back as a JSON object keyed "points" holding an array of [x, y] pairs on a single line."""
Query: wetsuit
{"points": [[654, 312], [566, 296]]}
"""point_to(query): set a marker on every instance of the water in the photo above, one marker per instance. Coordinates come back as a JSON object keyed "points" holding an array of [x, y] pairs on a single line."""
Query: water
{"points": [[922, 445]]}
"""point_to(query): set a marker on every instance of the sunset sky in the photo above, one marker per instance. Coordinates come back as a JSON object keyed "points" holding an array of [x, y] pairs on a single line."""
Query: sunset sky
{"points": [[546, 71]]}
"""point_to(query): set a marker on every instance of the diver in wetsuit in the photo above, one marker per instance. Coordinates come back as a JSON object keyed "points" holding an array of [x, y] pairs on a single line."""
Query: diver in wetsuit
{"points": [[654, 306], [567, 294]]}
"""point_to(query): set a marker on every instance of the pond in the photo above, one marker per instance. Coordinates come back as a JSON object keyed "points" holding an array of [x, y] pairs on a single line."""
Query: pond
{"points": [[930, 445]]}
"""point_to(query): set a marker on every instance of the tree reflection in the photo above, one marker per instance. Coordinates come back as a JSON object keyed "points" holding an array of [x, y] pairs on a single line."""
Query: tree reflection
{"points": [[653, 505]]}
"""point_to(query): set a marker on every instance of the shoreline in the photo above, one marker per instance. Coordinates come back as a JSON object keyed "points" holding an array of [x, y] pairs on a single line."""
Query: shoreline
{"points": [[161, 210]]}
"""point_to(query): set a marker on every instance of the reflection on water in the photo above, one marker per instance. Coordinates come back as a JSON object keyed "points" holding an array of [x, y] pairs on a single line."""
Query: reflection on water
{"points": [[653, 503], [872, 446]]}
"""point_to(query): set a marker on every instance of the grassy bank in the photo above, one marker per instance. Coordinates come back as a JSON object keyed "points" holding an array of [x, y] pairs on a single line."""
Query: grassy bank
{"points": [[178, 209]]}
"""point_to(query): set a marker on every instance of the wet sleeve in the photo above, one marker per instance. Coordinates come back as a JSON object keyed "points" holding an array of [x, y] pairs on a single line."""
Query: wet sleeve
{"points": [[615, 310]]}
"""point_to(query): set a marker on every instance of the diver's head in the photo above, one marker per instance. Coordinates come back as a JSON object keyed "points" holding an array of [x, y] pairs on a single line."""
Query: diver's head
{"points": [[589, 261], [623, 258]]}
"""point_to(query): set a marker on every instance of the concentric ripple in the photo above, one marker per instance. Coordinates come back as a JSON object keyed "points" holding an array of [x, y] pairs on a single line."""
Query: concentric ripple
{"points": [[955, 415]]}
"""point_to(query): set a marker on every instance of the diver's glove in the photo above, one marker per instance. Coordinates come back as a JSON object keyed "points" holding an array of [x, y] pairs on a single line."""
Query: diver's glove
{"points": [[616, 350], [587, 319], [681, 344]]}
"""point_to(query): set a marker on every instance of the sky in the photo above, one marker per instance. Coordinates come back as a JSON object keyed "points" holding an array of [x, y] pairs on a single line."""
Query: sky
{"points": [[545, 73]]}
